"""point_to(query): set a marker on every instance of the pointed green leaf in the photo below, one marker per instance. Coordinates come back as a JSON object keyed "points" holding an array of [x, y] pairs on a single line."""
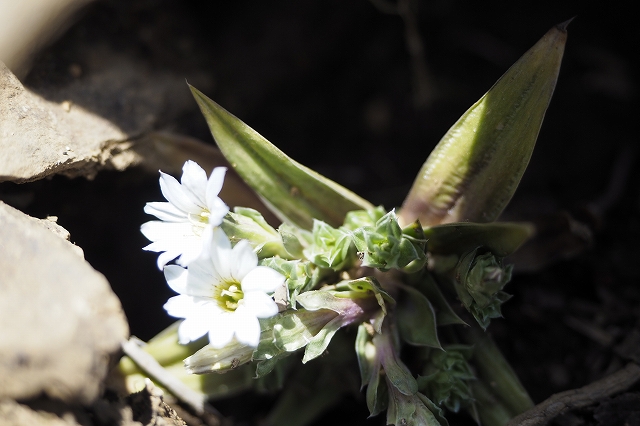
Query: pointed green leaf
{"points": [[294, 193], [445, 315], [473, 172], [366, 354], [292, 243], [410, 410], [417, 319], [320, 341], [398, 375], [501, 238], [377, 393]]}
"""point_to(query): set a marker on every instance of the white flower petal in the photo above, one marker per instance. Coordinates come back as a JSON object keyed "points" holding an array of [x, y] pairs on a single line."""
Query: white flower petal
{"points": [[262, 278], [170, 232], [259, 304], [176, 238], [247, 327], [221, 254], [180, 197], [191, 329], [165, 258], [221, 332], [194, 178], [180, 306], [243, 260], [191, 248], [202, 279], [214, 185], [177, 278], [165, 211], [217, 211]]}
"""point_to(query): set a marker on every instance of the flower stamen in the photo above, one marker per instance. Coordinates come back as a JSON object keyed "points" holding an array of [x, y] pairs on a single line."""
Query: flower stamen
{"points": [[229, 295]]}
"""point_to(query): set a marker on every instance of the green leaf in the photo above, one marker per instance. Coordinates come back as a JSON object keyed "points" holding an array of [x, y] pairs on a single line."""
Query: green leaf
{"points": [[366, 354], [410, 410], [287, 332], [501, 238], [320, 341], [473, 172], [435, 410], [291, 241], [398, 375], [295, 193], [417, 319], [445, 315], [377, 393]]}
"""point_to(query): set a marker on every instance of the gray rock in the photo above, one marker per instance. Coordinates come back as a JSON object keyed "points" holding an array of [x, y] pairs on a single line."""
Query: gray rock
{"points": [[60, 320], [39, 137]]}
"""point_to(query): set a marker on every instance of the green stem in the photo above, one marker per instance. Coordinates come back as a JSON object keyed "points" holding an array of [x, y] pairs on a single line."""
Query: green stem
{"points": [[495, 371], [165, 348], [490, 411]]}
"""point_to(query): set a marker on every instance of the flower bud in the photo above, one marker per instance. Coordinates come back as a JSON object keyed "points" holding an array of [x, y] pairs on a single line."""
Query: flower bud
{"points": [[385, 245], [446, 377], [479, 281], [248, 224]]}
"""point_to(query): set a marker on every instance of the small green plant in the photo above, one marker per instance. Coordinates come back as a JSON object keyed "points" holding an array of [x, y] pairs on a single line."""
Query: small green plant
{"points": [[411, 291]]}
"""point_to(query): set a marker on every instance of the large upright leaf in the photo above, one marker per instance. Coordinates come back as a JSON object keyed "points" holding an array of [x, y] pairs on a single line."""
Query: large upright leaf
{"points": [[295, 193], [473, 172], [501, 238]]}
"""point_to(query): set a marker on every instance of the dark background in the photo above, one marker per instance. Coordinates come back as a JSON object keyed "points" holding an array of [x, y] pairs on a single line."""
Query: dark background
{"points": [[331, 83]]}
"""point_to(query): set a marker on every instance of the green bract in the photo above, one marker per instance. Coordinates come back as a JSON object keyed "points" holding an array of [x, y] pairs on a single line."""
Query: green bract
{"points": [[446, 377], [330, 247], [478, 281], [385, 246], [394, 287]]}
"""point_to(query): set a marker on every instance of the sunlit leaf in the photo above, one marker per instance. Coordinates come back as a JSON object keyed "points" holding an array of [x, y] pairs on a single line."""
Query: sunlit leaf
{"points": [[295, 193], [473, 172]]}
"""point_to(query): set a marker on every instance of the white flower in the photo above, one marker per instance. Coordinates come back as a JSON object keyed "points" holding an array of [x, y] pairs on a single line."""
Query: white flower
{"points": [[223, 293], [193, 206]]}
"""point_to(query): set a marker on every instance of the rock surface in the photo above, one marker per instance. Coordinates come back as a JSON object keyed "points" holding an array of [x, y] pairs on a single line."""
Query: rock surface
{"points": [[39, 138], [60, 320]]}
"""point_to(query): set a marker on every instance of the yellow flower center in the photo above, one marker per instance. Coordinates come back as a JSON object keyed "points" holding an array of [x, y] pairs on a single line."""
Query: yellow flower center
{"points": [[199, 221], [229, 295]]}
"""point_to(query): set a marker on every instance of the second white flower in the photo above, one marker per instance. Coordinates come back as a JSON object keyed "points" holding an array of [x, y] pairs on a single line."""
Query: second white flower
{"points": [[223, 293]]}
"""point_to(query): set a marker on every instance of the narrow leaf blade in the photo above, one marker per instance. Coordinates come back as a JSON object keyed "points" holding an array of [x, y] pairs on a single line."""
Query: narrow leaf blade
{"points": [[473, 172], [295, 193]]}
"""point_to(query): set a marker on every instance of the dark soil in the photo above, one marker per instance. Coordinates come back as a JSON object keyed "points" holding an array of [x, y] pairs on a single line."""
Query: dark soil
{"points": [[330, 83]]}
